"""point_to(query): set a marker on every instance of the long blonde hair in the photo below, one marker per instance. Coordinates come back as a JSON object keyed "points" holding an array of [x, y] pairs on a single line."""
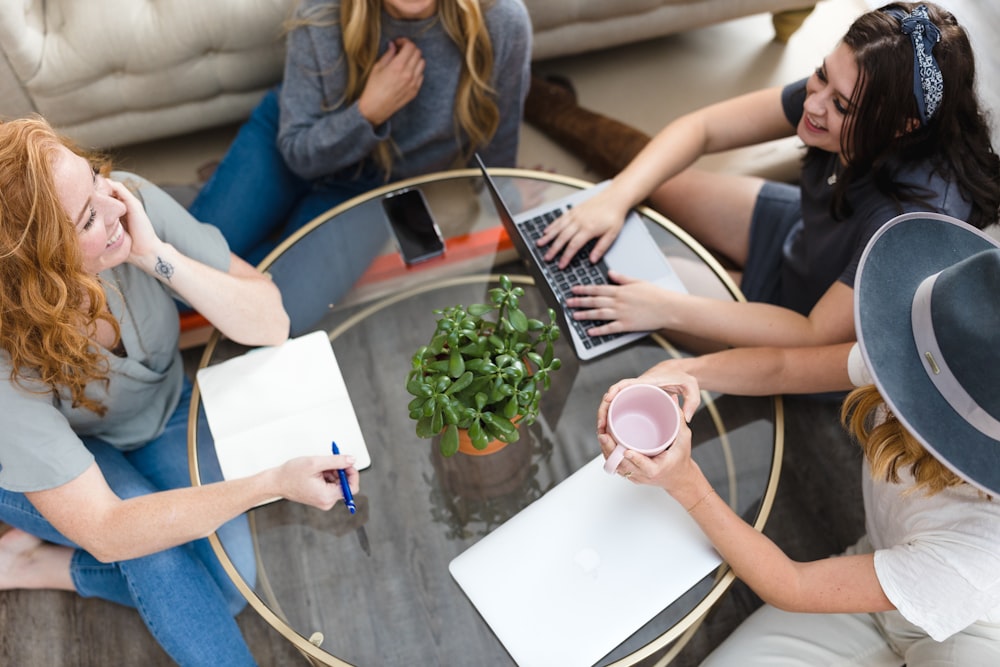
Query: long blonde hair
{"points": [[477, 115], [888, 446], [49, 306]]}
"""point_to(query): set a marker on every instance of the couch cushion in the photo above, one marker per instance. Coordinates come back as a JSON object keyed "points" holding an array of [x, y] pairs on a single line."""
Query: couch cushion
{"points": [[575, 26], [113, 72], [82, 62]]}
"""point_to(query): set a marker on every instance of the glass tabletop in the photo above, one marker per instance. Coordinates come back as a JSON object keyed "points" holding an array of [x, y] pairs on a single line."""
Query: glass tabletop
{"points": [[373, 588]]}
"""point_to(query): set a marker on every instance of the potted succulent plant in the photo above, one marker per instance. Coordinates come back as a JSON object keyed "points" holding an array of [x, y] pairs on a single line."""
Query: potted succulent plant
{"points": [[483, 372]]}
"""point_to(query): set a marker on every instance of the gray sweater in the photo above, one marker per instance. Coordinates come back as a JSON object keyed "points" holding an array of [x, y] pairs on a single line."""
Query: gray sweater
{"points": [[318, 142]]}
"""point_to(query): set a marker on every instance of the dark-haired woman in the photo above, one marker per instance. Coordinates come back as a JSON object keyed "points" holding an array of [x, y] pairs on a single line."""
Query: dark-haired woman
{"points": [[892, 124]]}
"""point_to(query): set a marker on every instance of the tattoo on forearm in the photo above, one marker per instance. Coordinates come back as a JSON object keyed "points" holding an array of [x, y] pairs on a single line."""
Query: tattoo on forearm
{"points": [[164, 269]]}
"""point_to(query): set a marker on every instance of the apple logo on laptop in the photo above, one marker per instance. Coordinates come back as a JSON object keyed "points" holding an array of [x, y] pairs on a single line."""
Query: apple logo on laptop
{"points": [[588, 560]]}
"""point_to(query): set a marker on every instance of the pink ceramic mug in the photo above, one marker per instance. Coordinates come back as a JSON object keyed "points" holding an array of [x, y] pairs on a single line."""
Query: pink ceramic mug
{"points": [[644, 418]]}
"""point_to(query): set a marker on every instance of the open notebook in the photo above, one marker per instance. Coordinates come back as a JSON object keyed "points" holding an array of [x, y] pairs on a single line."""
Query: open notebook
{"points": [[574, 574], [276, 403]]}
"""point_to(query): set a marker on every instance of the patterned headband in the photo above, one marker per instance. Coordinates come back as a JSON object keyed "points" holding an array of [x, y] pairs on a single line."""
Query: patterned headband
{"points": [[928, 84]]}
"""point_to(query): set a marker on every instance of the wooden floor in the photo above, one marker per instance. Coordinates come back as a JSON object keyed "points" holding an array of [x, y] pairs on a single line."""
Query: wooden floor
{"points": [[817, 512], [820, 472]]}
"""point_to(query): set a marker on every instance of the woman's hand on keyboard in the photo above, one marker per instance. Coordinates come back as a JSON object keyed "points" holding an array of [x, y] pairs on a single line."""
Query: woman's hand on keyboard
{"points": [[628, 305], [598, 217]]}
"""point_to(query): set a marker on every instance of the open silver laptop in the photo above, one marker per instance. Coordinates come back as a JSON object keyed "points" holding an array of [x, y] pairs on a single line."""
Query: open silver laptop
{"points": [[581, 569], [634, 253]]}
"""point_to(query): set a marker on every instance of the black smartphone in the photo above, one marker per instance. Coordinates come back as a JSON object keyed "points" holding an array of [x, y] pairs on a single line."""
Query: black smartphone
{"points": [[417, 235]]}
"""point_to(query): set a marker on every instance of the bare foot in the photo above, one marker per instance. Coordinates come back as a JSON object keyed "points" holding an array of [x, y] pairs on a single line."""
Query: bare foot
{"points": [[28, 562]]}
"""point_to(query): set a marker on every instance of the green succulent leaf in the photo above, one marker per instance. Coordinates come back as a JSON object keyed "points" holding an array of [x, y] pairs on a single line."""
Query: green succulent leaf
{"points": [[502, 425], [503, 360], [429, 406], [518, 319], [424, 428], [475, 365], [510, 407], [474, 349], [479, 309], [514, 372], [456, 364], [418, 387], [449, 440], [437, 344], [477, 435], [549, 355], [437, 420], [461, 383], [450, 412]]}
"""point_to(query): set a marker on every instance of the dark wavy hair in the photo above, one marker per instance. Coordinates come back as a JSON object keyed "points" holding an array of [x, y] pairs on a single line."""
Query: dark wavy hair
{"points": [[884, 131]]}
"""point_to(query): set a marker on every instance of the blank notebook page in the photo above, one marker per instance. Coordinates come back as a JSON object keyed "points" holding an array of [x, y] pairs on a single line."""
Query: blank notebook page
{"points": [[276, 403]]}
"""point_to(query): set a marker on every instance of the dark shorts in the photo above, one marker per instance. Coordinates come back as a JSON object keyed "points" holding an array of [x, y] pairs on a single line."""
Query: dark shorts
{"points": [[777, 211]]}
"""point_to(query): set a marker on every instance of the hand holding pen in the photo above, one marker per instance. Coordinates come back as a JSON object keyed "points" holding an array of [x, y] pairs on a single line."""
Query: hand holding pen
{"points": [[345, 488]]}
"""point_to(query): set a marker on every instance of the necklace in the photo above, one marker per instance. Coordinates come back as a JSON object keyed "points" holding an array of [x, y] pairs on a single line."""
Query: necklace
{"points": [[834, 168]]}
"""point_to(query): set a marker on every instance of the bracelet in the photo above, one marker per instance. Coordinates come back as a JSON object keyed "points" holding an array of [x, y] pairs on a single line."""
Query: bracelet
{"points": [[700, 500]]}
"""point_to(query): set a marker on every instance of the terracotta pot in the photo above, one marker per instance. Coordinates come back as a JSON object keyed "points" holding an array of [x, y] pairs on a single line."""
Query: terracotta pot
{"points": [[465, 445], [481, 479]]}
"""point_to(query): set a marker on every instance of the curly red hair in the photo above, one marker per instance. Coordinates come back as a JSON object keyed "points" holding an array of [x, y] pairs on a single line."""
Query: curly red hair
{"points": [[49, 305]]}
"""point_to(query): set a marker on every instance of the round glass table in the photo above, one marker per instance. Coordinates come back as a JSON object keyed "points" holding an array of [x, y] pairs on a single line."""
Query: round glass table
{"points": [[373, 588]]}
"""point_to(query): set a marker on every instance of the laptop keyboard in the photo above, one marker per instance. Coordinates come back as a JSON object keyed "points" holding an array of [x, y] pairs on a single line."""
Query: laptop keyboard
{"points": [[580, 271]]}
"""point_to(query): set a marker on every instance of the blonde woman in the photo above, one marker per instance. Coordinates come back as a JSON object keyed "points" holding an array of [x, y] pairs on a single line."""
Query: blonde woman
{"points": [[94, 474], [922, 586], [374, 91]]}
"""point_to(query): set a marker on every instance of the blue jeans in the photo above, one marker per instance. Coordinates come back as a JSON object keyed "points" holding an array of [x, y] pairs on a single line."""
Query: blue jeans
{"points": [[775, 215], [255, 199], [183, 594]]}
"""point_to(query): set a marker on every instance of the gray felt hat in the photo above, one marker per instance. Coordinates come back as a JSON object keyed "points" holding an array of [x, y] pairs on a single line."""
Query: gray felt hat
{"points": [[927, 314]]}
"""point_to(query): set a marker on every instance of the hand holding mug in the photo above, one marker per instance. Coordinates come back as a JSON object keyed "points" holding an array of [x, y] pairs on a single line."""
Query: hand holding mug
{"points": [[643, 418]]}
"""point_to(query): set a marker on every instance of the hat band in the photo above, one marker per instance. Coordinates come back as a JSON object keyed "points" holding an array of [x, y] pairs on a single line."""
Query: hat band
{"points": [[937, 368]]}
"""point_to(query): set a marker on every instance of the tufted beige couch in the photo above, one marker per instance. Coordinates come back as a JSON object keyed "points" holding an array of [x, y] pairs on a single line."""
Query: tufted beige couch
{"points": [[114, 72]]}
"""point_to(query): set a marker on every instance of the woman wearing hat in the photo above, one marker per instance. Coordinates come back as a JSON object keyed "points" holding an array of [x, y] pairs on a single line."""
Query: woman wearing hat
{"points": [[922, 587], [891, 124]]}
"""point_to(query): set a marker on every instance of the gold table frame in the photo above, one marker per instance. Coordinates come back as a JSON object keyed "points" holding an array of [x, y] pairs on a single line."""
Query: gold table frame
{"points": [[671, 641]]}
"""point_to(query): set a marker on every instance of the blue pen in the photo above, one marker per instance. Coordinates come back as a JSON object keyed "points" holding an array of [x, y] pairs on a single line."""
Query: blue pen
{"points": [[344, 486]]}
